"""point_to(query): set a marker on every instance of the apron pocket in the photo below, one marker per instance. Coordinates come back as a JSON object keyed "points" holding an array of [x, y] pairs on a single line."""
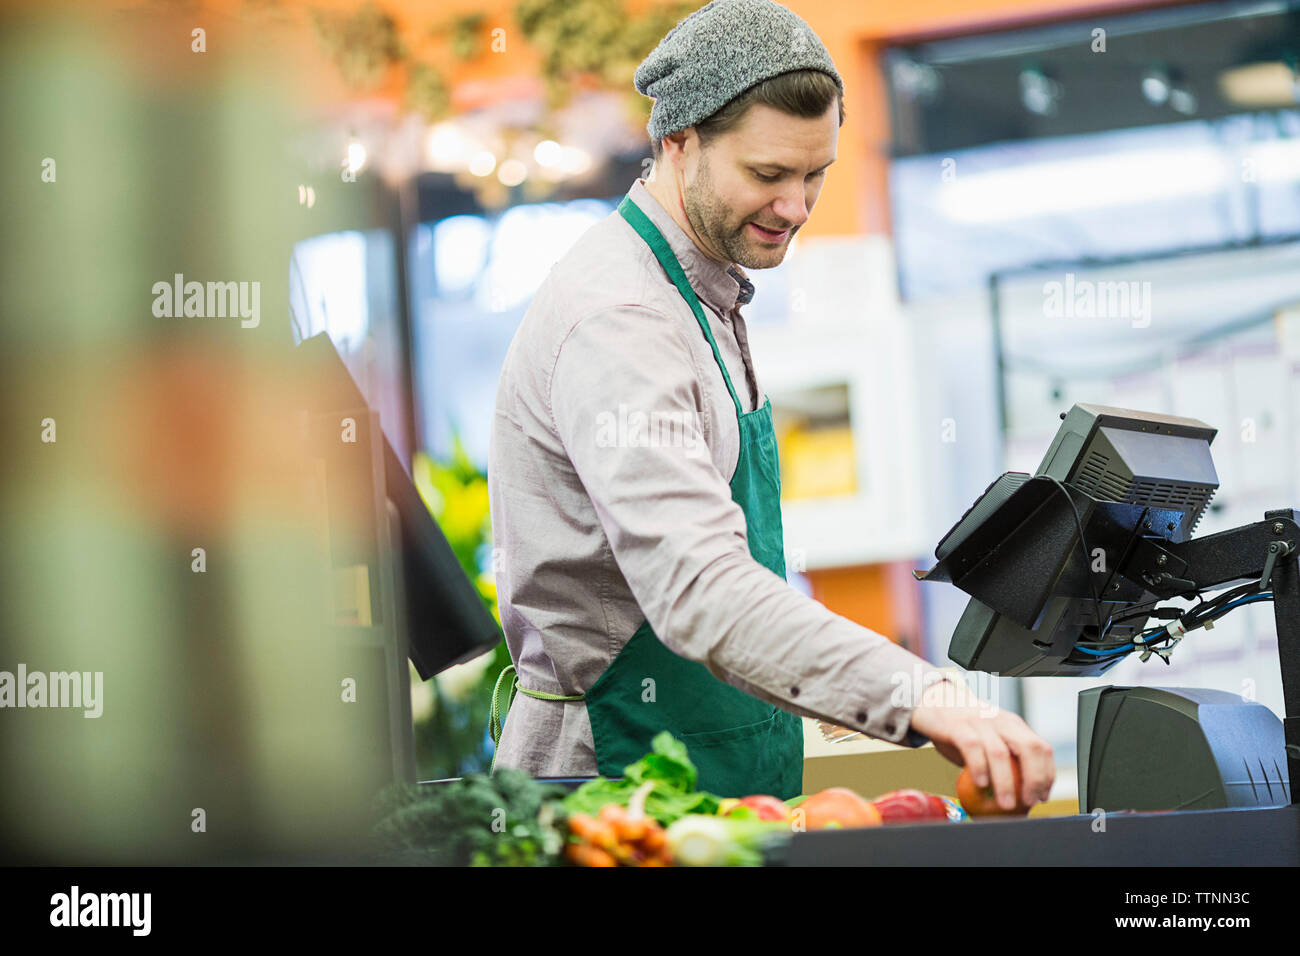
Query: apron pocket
{"points": [[738, 762]]}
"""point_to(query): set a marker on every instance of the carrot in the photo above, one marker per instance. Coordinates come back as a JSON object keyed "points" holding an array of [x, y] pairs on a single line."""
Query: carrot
{"points": [[583, 854], [628, 827], [632, 831], [596, 832], [623, 853], [613, 813]]}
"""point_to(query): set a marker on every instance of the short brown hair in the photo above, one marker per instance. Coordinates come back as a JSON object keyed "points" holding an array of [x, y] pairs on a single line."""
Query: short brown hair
{"points": [[803, 93]]}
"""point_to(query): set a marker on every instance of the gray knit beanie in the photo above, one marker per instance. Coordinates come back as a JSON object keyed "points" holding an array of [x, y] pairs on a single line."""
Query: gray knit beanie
{"points": [[718, 52]]}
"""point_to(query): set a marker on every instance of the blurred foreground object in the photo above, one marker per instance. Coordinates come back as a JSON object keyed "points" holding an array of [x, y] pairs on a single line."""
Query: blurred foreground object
{"points": [[158, 531]]}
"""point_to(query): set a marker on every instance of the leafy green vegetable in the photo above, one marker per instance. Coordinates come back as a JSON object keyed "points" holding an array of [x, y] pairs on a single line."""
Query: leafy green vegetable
{"points": [[507, 819], [673, 795], [668, 762]]}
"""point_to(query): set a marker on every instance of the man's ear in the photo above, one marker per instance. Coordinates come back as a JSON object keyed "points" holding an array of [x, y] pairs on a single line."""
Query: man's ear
{"points": [[678, 140]]}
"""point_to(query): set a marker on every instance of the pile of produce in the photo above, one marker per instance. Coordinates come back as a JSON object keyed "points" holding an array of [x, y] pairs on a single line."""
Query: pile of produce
{"points": [[652, 816], [839, 807]]}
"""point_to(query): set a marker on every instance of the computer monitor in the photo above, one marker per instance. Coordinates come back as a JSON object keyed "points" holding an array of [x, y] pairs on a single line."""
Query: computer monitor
{"points": [[1039, 587]]}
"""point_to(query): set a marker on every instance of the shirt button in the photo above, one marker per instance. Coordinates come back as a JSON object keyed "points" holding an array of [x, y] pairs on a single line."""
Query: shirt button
{"points": [[862, 716], [794, 691]]}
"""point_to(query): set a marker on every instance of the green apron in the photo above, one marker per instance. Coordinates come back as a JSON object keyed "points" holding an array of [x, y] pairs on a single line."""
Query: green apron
{"points": [[741, 745]]}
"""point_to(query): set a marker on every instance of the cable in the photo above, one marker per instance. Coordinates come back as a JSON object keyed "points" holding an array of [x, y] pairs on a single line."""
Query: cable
{"points": [[1233, 593], [1250, 599], [1215, 608], [1265, 596], [1205, 612], [1143, 610], [1125, 648]]}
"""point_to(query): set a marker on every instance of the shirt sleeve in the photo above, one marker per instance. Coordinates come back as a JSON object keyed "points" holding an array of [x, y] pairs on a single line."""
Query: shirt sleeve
{"points": [[627, 404]]}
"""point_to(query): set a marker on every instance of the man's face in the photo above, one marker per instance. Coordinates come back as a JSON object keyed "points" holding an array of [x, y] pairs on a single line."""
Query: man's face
{"points": [[767, 171]]}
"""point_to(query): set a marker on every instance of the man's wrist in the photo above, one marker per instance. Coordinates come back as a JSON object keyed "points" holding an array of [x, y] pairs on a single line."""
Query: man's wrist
{"points": [[940, 688]]}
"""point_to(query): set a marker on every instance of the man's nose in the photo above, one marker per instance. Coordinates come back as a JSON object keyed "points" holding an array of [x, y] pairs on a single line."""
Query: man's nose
{"points": [[792, 206]]}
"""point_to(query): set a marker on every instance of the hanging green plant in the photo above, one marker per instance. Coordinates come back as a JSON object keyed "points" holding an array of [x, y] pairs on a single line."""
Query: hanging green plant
{"points": [[467, 36], [594, 38], [642, 34], [428, 92], [363, 45]]}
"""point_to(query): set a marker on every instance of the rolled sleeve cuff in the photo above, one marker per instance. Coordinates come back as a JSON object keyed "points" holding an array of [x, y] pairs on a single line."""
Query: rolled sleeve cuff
{"points": [[893, 691]]}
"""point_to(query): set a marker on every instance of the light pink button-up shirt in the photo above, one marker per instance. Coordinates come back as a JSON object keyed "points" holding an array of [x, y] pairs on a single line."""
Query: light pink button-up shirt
{"points": [[614, 441]]}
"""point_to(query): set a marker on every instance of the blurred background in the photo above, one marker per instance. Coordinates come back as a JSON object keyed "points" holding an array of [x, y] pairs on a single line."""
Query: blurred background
{"points": [[400, 175]]}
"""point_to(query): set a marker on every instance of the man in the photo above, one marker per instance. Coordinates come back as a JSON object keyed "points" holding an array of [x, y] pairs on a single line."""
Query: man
{"points": [[633, 478]]}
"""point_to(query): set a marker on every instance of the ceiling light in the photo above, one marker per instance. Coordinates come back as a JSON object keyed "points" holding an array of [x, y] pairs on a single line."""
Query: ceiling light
{"points": [[447, 148], [548, 153], [1155, 86], [1183, 100], [512, 172], [1039, 93], [574, 160], [482, 163], [356, 157]]}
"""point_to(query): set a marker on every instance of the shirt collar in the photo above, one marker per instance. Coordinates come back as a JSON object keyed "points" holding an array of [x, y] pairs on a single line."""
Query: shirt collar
{"points": [[723, 287]]}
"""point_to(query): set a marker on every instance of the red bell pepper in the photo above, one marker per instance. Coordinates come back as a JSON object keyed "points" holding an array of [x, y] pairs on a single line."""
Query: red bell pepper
{"points": [[900, 806]]}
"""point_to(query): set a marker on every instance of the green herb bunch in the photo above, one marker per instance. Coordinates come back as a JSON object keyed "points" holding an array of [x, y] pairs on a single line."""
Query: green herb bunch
{"points": [[505, 819]]}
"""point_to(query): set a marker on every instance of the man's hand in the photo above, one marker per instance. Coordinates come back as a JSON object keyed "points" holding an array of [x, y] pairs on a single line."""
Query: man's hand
{"points": [[975, 734]]}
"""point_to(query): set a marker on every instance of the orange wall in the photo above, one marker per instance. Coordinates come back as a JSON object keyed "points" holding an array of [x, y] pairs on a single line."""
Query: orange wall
{"points": [[883, 597]]}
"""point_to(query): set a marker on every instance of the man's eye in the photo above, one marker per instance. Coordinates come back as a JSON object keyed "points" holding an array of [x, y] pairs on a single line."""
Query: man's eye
{"points": [[771, 179]]}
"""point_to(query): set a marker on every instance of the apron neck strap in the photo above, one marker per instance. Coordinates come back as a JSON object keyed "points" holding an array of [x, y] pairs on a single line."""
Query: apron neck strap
{"points": [[664, 253]]}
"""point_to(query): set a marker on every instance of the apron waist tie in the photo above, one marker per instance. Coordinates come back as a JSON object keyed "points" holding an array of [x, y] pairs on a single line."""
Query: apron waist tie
{"points": [[501, 704]]}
